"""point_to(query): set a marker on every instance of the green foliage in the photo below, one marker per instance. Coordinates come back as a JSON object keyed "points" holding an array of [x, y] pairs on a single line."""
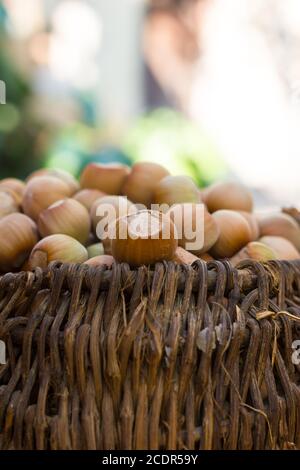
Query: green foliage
{"points": [[17, 134], [165, 136]]}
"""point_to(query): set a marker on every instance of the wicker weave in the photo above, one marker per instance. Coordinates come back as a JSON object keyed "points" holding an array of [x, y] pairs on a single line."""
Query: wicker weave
{"points": [[176, 358]]}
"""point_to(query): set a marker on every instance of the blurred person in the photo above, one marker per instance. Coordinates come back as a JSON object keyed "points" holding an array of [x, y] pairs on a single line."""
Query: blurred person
{"points": [[171, 45], [228, 64]]}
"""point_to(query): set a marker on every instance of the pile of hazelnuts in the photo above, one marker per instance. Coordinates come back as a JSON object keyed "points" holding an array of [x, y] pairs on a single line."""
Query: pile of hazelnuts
{"points": [[137, 215]]}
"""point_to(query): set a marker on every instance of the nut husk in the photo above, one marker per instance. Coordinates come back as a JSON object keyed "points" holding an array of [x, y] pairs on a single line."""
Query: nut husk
{"points": [[256, 251], [94, 250], [63, 175], [18, 235], [280, 225], [253, 224], [41, 192], [107, 178], [67, 217], [8, 203], [15, 185], [140, 184], [87, 197], [175, 190], [284, 249], [193, 221], [57, 248], [102, 260], [235, 233], [228, 195]]}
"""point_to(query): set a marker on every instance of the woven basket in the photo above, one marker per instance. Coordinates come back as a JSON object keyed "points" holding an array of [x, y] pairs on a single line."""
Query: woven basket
{"points": [[175, 358]]}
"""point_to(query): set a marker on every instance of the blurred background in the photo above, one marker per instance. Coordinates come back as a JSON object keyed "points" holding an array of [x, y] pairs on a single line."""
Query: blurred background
{"points": [[210, 88]]}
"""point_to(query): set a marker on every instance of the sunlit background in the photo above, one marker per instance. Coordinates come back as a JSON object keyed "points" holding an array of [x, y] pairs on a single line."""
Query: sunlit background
{"points": [[210, 88]]}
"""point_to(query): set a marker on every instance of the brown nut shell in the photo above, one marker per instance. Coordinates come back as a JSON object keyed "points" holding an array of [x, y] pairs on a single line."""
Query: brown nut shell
{"points": [[144, 238]]}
